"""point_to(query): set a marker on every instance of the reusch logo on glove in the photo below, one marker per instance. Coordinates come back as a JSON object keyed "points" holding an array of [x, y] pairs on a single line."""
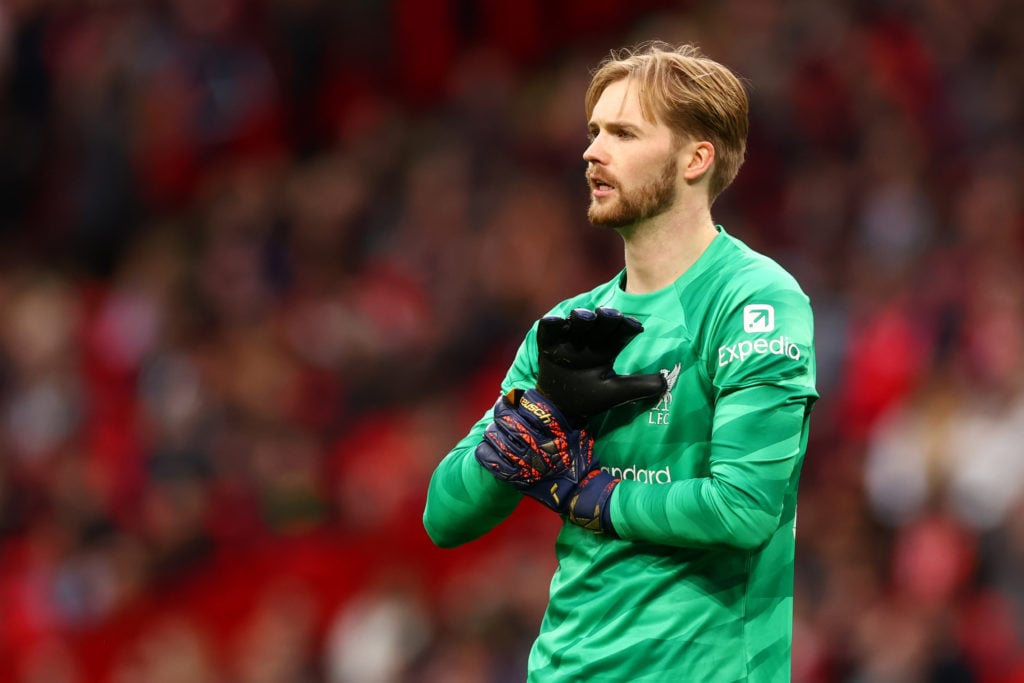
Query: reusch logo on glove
{"points": [[531, 407]]}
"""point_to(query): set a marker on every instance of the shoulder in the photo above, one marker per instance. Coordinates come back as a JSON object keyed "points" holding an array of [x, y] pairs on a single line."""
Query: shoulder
{"points": [[750, 291], [761, 328], [744, 270]]}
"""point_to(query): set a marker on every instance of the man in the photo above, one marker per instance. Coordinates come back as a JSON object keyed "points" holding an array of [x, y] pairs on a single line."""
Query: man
{"points": [[679, 497]]}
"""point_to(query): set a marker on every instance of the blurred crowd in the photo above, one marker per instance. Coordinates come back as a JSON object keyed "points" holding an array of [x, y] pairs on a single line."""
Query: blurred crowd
{"points": [[263, 263]]}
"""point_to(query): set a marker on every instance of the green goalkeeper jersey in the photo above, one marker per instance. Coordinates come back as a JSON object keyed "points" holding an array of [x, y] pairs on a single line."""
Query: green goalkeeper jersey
{"points": [[699, 586]]}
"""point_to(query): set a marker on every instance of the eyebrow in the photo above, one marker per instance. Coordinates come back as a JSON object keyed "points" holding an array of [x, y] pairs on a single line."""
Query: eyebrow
{"points": [[615, 127]]}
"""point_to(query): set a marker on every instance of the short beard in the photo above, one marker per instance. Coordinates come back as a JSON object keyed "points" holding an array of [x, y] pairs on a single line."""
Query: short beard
{"points": [[643, 203]]}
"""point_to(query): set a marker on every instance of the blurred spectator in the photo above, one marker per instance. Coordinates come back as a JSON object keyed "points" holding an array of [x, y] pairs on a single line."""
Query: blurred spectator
{"points": [[262, 266]]}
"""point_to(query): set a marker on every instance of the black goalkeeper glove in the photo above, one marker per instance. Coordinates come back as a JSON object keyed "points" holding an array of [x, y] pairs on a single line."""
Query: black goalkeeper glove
{"points": [[576, 355]]}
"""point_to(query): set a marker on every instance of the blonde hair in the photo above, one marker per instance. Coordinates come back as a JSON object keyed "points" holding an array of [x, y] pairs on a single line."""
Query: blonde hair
{"points": [[692, 94]]}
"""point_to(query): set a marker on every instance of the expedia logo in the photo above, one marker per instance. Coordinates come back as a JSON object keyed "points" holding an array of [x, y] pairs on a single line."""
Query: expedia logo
{"points": [[758, 318], [740, 351]]}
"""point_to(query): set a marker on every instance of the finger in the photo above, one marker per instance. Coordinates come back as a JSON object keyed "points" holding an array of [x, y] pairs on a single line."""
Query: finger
{"points": [[491, 453], [623, 389], [551, 331], [633, 323], [629, 327], [615, 330], [608, 321], [505, 405], [581, 326]]}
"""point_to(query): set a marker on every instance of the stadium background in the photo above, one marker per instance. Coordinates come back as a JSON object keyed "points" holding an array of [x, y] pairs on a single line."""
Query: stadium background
{"points": [[263, 262]]}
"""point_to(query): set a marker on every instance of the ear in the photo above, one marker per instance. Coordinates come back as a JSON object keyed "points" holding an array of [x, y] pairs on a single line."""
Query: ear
{"points": [[698, 157]]}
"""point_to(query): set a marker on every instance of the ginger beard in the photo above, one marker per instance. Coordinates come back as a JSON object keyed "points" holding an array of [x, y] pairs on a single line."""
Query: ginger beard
{"points": [[629, 207]]}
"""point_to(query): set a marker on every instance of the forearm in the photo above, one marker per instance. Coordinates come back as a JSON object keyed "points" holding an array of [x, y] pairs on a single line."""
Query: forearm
{"points": [[754, 457], [692, 513], [464, 501]]}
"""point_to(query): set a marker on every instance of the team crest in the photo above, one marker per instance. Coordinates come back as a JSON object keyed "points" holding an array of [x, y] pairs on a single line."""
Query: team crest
{"points": [[659, 415]]}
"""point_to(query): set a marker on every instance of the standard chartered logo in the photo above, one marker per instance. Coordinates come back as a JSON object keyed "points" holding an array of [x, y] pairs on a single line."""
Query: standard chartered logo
{"points": [[634, 473], [740, 351]]}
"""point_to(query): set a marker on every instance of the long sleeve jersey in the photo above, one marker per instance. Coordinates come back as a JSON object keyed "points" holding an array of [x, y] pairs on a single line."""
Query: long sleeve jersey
{"points": [[699, 584]]}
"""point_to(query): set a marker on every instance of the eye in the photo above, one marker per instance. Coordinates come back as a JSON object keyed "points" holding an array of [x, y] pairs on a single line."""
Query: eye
{"points": [[624, 135]]}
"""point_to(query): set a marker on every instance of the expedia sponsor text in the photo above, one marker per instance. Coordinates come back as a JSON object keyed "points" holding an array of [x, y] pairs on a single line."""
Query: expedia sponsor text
{"points": [[740, 351]]}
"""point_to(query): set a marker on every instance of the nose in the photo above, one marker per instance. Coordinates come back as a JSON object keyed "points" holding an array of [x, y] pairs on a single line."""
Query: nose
{"points": [[595, 153]]}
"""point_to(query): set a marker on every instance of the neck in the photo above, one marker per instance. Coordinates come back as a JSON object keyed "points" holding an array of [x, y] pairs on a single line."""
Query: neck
{"points": [[660, 249]]}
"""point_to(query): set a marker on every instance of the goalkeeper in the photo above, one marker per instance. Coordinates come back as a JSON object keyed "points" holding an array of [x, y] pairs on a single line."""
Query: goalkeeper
{"points": [[663, 415]]}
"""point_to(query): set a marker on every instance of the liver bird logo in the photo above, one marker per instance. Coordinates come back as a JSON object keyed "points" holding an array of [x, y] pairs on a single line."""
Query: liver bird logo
{"points": [[671, 377]]}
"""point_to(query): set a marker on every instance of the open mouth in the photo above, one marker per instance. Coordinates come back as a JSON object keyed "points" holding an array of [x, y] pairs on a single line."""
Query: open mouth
{"points": [[600, 187]]}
